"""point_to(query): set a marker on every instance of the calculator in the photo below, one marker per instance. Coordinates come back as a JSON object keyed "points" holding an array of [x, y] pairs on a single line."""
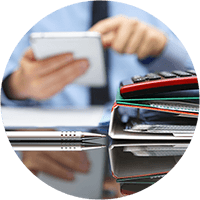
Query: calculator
{"points": [[154, 83]]}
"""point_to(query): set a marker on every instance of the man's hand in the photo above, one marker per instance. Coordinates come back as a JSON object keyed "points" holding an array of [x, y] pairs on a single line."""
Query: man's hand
{"points": [[130, 36], [41, 79], [61, 164]]}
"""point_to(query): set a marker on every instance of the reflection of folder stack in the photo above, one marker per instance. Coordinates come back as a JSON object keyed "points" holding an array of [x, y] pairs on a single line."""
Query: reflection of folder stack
{"points": [[134, 163], [139, 165]]}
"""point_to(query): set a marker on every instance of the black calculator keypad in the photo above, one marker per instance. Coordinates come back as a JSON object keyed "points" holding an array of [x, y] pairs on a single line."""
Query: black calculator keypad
{"points": [[154, 83]]}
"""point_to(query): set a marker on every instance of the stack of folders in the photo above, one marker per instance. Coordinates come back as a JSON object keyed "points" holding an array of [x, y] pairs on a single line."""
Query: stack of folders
{"points": [[156, 106], [152, 123]]}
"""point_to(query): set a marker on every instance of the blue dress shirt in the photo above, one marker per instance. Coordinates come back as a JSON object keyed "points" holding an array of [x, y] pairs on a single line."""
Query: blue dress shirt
{"points": [[77, 17]]}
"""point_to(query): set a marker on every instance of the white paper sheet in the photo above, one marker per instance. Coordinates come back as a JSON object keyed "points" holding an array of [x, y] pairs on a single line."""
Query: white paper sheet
{"points": [[37, 117]]}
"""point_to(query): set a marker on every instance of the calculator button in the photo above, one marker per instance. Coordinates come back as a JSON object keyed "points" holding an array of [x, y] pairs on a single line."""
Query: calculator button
{"points": [[152, 76], [181, 73], [167, 74], [192, 72], [126, 82], [138, 79]]}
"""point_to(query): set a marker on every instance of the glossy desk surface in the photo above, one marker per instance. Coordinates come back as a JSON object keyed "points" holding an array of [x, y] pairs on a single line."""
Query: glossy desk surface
{"points": [[92, 169], [104, 168]]}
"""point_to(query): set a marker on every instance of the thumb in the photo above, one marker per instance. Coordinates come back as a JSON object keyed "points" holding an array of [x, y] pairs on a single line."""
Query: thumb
{"points": [[29, 55]]}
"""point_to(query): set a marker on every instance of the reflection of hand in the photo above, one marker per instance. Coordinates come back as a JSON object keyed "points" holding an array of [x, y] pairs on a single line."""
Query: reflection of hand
{"points": [[130, 36], [41, 79], [60, 164]]}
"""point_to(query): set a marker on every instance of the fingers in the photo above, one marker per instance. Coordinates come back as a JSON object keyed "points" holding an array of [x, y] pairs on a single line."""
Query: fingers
{"points": [[46, 66], [40, 162], [65, 76], [115, 32], [136, 39], [123, 35], [49, 85], [152, 43], [41, 79], [145, 49], [130, 36], [59, 164], [77, 161], [107, 25], [50, 166], [53, 63]]}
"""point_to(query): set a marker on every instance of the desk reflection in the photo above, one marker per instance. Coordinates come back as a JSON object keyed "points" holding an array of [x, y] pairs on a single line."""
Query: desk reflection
{"points": [[100, 168]]}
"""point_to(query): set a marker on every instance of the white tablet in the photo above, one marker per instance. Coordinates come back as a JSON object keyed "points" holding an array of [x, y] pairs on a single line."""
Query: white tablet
{"points": [[81, 44]]}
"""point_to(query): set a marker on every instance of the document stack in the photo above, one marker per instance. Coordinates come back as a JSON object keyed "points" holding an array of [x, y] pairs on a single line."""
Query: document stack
{"points": [[152, 123], [154, 107]]}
